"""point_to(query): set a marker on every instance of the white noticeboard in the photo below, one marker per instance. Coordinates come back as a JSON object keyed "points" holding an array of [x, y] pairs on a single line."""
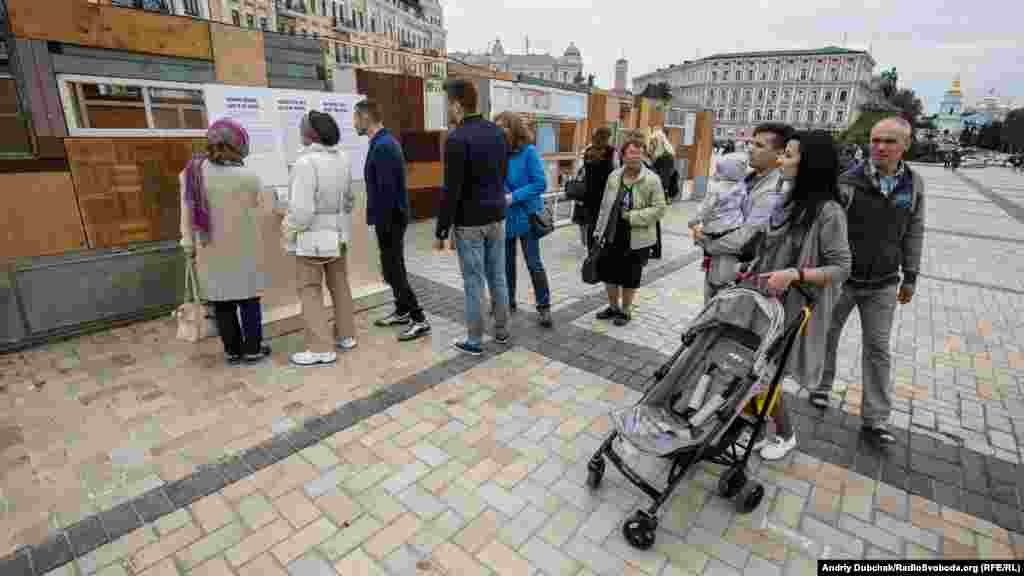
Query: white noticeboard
{"points": [[540, 100], [272, 118], [689, 128]]}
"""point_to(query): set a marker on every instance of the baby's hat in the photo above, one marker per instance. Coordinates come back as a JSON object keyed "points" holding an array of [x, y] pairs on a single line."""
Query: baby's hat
{"points": [[731, 166]]}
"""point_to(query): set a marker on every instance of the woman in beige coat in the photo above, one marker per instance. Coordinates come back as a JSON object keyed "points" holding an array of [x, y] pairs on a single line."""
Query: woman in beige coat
{"points": [[220, 226], [321, 199]]}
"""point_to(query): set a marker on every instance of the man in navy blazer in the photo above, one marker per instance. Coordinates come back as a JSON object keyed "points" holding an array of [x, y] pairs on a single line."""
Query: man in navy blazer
{"points": [[387, 210]]}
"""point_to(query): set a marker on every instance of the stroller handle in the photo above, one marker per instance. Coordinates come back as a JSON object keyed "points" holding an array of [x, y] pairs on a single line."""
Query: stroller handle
{"points": [[808, 296]]}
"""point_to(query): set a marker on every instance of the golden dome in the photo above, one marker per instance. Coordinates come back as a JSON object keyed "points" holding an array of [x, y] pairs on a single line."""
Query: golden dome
{"points": [[955, 90]]}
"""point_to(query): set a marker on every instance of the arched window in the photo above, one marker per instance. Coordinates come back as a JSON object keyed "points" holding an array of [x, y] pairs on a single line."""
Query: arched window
{"points": [[714, 75], [757, 115], [760, 94], [842, 96], [824, 117], [828, 96], [770, 115], [773, 96], [810, 116], [782, 115], [750, 74]]}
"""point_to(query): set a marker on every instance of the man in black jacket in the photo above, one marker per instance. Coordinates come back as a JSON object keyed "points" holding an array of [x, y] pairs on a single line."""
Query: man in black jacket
{"points": [[387, 210], [472, 215], [885, 215]]}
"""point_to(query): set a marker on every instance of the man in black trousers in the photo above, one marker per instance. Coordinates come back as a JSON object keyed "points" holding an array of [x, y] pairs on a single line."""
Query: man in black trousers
{"points": [[387, 210]]}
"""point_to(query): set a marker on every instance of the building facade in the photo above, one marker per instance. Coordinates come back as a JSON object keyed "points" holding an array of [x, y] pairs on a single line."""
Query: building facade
{"points": [[398, 36], [951, 110], [818, 89], [567, 69]]}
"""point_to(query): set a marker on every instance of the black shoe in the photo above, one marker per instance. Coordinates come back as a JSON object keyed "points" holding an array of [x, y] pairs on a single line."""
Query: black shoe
{"points": [[544, 317], [608, 313], [819, 398], [502, 338], [414, 331], [253, 358], [879, 433], [622, 319], [233, 359], [393, 319]]}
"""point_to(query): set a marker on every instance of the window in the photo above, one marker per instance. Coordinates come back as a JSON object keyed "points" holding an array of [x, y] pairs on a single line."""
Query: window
{"points": [[770, 115], [828, 96], [263, 23], [773, 96], [775, 73], [714, 75], [15, 137], [842, 96], [99, 106], [803, 74], [787, 94], [824, 117], [757, 115], [750, 74], [732, 115], [839, 116], [720, 114], [250, 20], [236, 18], [760, 94], [813, 98], [746, 95], [733, 95], [799, 96], [835, 73], [810, 116], [316, 34], [782, 115]]}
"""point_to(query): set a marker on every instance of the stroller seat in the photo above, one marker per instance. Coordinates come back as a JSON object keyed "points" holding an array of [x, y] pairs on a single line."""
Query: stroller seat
{"points": [[674, 421]]}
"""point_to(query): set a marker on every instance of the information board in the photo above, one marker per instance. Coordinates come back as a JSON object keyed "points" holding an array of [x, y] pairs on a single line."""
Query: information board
{"points": [[540, 100], [273, 118]]}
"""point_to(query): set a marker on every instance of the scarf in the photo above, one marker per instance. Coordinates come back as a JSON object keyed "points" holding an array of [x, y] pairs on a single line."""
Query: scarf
{"points": [[231, 135]]}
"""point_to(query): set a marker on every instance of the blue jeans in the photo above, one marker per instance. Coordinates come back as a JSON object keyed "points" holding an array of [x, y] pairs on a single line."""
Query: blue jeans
{"points": [[481, 252], [531, 249]]}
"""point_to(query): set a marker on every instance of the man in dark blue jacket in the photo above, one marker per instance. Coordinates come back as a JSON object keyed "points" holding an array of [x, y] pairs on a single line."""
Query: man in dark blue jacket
{"points": [[387, 210], [472, 214]]}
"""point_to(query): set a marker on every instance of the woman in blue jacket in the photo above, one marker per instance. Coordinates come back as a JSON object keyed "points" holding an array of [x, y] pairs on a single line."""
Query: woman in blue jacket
{"points": [[524, 185]]}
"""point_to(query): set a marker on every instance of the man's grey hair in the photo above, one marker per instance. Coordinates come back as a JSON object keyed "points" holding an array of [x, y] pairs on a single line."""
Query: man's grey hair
{"points": [[900, 121]]}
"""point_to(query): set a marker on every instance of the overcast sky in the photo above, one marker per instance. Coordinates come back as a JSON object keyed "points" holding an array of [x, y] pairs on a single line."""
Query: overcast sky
{"points": [[928, 41]]}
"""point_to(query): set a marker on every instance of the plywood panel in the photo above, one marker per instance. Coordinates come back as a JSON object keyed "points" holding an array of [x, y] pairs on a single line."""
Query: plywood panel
{"points": [[78, 22], [41, 217], [238, 55], [424, 175], [128, 188], [424, 202]]}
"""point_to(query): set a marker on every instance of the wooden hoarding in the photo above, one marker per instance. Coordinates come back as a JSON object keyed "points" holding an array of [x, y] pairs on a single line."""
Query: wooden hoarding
{"points": [[86, 24], [127, 188], [400, 99], [39, 215], [239, 55]]}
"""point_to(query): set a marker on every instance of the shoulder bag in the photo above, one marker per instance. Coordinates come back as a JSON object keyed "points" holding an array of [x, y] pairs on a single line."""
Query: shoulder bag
{"points": [[576, 188], [194, 319], [597, 249], [324, 243]]}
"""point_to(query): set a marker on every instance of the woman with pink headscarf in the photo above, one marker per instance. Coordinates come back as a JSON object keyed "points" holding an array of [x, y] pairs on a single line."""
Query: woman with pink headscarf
{"points": [[221, 231]]}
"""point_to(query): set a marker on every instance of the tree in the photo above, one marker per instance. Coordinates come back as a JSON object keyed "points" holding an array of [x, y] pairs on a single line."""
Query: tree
{"points": [[885, 99], [991, 136], [1013, 130], [660, 91]]}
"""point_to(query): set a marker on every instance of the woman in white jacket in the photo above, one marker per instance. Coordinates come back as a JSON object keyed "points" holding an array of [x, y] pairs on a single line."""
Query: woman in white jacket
{"points": [[321, 200]]}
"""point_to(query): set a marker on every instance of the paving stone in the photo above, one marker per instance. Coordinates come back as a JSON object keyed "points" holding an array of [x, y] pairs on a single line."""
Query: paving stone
{"points": [[871, 533], [423, 503], [211, 545], [350, 537], [908, 531], [328, 481], [553, 561], [715, 546], [833, 538], [562, 526], [358, 563], [519, 529], [501, 499], [758, 566], [594, 557], [311, 565], [303, 540]]}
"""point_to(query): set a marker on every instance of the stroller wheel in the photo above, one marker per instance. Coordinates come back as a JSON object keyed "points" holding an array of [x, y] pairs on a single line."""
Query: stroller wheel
{"points": [[595, 472], [639, 530], [731, 483], [750, 497]]}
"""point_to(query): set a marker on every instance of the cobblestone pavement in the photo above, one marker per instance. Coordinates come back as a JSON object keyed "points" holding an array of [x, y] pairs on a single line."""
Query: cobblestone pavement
{"points": [[409, 460]]}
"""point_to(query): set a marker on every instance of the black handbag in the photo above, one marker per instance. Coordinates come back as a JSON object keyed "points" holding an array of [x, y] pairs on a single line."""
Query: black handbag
{"points": [[590, 264], [541, 225], [576, 188]]}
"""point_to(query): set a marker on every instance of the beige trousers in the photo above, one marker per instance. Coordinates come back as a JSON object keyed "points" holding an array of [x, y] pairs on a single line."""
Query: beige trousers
{"points": [[311, 272]]}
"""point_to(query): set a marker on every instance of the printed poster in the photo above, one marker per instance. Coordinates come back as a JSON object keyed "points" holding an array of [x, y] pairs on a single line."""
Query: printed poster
{"points": [[341, 107]]}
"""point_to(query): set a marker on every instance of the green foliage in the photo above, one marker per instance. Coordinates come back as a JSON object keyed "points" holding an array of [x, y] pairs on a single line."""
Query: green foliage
{"points": [[660, 91]]}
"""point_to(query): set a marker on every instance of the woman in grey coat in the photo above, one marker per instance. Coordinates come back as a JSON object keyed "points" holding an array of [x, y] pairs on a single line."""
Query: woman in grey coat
{"points": [[805, 243], [221, 230]]}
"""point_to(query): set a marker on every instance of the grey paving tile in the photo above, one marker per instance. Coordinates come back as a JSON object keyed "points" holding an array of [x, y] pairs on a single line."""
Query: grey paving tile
{"points": [[52, 553], [831, 537], [311, 565], [594, 557], [872, 534]]}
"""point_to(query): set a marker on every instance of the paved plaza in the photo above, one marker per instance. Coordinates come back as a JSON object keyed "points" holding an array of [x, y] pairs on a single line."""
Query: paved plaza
{"points": [[129, 453]]}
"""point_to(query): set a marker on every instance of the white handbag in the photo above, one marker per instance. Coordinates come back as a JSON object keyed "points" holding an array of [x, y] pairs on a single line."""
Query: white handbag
{"points": [[323, 243], [195, 321]]}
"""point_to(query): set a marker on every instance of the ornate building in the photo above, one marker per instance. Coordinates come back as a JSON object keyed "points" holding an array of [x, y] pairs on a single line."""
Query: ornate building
{"points": [[951, 109], [805, 88], [567, 69]]}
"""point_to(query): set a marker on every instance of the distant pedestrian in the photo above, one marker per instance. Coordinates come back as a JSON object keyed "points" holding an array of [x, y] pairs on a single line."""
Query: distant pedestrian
{"points": [[320, 203], [524, 187], [221, 229], [387, 210], [633, 203], [598, 164], [886, 207], [472, 214]]}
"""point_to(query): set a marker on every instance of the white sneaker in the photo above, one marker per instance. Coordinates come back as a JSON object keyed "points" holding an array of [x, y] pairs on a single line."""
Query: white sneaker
{"points": [[308, 358], [778, 448], [744, 438], [345, 344]]}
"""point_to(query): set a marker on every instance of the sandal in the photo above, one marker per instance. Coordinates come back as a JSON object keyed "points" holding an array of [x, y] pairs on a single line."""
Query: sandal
{"points": [[819, 398], [879, 433]]}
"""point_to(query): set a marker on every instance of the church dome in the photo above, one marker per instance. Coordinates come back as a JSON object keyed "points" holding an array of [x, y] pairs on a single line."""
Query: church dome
{"points": [[572, 51], [955, 90]]}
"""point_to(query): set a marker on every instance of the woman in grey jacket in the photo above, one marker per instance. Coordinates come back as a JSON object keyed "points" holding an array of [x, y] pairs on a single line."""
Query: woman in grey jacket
{"points": [[805, 243], [321, 199]]}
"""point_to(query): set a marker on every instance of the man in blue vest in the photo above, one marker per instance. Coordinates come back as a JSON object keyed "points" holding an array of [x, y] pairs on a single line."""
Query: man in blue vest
{"points": [[885, 214], [387, 210]]}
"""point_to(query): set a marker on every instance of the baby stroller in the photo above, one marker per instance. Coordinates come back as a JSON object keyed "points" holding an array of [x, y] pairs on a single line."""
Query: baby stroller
{"points": [[722, 381]]}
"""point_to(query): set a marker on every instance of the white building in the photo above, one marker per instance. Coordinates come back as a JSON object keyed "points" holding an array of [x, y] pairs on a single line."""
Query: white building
{"points": [[804, 88], [567, 69]]}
